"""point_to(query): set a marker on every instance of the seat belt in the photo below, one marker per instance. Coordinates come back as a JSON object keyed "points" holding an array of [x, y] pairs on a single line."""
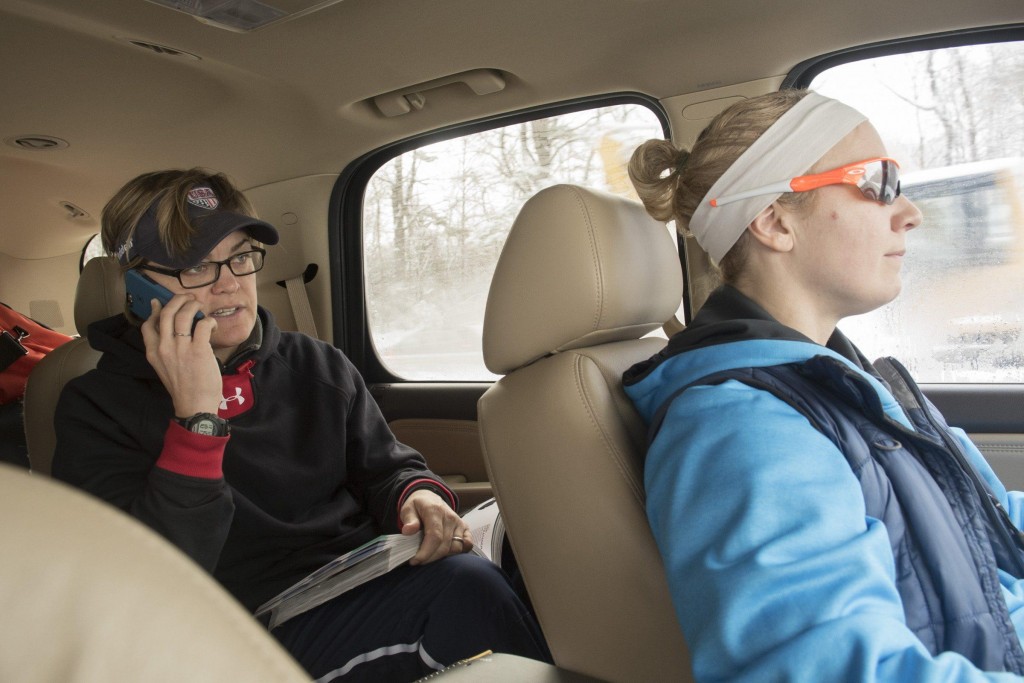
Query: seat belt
{"points": [[299, 299], [672, 326]]}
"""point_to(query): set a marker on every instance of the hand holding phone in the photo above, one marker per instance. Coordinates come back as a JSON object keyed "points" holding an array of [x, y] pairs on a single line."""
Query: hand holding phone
{"points": [[188, 371], [140, 290]]}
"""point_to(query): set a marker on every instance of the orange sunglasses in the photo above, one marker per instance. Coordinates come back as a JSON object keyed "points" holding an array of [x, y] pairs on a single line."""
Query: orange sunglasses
{"points": [[878, 179]]}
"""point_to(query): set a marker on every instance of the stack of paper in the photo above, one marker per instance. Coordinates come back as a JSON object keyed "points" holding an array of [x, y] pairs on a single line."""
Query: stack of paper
{"points": [[375, 558], [368, 561]]}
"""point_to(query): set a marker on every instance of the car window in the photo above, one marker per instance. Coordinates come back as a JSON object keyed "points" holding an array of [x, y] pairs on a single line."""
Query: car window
{"points": [[954, 119], [93, 249], [435, 219]]}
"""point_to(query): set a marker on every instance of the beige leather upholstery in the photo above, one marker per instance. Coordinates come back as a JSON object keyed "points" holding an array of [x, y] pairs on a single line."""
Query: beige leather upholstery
{"points": [[89, 595], [499, 667], [581, 278], [99, 295], [100, 292]]}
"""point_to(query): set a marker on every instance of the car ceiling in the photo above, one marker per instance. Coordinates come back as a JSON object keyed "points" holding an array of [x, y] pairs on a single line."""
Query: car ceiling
{"points": [[295, 98]]}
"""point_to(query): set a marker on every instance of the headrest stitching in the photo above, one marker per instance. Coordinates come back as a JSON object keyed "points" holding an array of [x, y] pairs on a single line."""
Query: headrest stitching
{"points": [[594, 255]]}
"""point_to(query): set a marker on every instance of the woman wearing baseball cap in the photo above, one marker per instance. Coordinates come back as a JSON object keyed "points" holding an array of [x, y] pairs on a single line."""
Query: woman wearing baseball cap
{"points": [[261, 454]]}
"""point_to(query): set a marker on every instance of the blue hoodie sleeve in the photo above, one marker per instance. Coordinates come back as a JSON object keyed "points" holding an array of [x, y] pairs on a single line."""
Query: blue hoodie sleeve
{"points": [[775, 570]]}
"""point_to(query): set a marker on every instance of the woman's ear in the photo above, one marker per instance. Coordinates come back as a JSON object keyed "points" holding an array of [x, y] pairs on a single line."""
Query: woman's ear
{"points": [[771, 228]]}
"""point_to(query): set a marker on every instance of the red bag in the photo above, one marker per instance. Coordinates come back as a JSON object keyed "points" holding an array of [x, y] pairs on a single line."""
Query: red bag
{"points": [[23, 342]]}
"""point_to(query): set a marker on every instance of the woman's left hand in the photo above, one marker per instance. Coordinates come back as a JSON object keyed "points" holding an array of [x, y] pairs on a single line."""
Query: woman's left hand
{"points": [[444, 532]]}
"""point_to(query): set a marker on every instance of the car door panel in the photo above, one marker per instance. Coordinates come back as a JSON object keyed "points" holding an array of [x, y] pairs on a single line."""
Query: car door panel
{"points": [[993, 416], [439, 420]]}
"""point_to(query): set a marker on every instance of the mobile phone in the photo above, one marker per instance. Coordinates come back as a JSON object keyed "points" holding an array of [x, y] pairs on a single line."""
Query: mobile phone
{"points": [[140, 290]]}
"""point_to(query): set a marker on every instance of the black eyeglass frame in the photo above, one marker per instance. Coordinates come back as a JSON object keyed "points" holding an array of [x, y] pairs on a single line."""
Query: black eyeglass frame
{"points": [[226, 262]]}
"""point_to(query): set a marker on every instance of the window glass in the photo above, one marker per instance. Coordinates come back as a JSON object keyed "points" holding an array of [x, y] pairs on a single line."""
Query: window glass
{"points": [[954, 119], [435, 219], [92, 249]]}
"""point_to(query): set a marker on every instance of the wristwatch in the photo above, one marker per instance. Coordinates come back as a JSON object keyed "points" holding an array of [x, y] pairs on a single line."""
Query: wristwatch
{"points": [[207, 424]]}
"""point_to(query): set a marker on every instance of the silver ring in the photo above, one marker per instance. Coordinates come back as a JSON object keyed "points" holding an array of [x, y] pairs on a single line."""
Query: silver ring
{"points": [[459, 539], [181, 334]]}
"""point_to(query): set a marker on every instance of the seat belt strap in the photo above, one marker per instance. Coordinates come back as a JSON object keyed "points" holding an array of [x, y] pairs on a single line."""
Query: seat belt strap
{"points": [[301, 309]]}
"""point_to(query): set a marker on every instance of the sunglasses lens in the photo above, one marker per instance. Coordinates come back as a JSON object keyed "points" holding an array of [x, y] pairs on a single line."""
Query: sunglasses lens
{"points": [[881, 181]]}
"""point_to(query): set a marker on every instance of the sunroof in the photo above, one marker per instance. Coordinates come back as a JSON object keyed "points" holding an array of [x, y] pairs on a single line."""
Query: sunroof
{"points": [[242, 16]]}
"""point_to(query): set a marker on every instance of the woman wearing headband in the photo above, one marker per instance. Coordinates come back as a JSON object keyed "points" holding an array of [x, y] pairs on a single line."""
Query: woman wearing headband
{"points": [[817, 518]]}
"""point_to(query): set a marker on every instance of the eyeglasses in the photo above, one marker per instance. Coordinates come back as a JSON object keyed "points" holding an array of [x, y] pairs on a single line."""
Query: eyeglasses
{"points": [[208, 272], [877, 179]]}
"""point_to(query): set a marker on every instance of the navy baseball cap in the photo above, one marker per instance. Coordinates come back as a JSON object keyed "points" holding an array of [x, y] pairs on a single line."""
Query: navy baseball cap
{"points": [[210, 224]]}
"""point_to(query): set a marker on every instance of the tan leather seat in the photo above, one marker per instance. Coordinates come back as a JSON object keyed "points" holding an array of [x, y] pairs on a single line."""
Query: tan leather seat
{"points": [[583, 276], [89, 595], [99, 295]]}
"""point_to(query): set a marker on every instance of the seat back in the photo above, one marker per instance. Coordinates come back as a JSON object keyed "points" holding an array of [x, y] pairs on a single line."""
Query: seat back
{"points": [[89, 595], [99, 295], [582, 277]]}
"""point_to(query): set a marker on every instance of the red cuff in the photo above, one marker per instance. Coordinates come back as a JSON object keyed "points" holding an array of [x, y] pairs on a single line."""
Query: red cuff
{"points": [[423, 483], [190, 454]]}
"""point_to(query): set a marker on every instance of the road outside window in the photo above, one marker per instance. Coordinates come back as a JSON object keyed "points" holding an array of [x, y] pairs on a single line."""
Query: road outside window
{"points": [[954, 119], [435, 219]]}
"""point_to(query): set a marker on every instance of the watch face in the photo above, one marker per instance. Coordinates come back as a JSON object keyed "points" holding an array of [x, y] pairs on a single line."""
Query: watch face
{"points": [[206, 427], [206, 424]]}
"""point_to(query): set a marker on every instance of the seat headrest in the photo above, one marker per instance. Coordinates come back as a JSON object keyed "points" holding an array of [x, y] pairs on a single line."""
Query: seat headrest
{"points": [[100, 292], [113, 600], [580, 267]]}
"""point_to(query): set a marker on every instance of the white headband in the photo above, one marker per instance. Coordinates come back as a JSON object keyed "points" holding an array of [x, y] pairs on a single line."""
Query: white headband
{"points": [[787, 149]]}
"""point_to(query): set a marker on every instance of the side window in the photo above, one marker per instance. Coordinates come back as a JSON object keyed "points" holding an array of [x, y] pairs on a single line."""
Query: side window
{"points": [[435, 219], [954, 119], [92, 249]]}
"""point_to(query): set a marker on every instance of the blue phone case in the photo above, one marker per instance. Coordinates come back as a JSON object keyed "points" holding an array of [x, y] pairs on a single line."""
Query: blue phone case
{"points": [[141, 290]]}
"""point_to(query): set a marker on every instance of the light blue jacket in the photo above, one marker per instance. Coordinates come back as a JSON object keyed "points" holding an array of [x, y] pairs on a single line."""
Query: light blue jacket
{"points": [[775, 569]]}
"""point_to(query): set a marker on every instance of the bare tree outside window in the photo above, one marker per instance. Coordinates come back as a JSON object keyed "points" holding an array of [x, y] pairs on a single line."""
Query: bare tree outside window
{"points": [[435, 219]]}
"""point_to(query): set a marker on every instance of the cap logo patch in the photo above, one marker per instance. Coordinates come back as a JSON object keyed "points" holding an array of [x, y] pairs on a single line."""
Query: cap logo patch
{"points": [[203, 197]]}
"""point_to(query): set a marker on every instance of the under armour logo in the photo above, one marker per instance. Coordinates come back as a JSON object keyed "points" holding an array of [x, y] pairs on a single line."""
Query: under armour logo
{"points": [[237, 394], [237, 397]]}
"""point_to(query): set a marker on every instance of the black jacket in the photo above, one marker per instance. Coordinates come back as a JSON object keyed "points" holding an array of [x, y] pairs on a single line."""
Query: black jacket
{"points": [[310, 469]]}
